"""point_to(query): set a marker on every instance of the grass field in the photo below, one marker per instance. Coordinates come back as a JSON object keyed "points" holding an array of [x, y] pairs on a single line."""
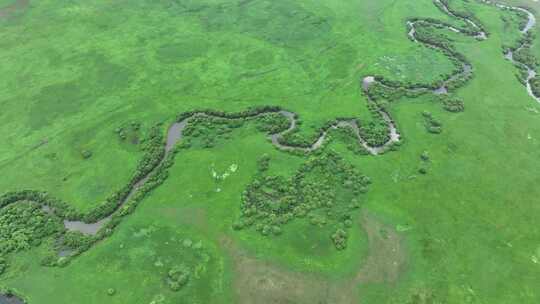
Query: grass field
{"points": [[72, 72]]}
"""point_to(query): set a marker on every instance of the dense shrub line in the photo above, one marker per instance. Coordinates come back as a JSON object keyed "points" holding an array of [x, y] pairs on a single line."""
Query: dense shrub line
{"points": [[522, 54], [452, 104], [432, 125], [58, 207], [445, 5], [349, 138], [249, 112], [424, 34], [79, 243], [154, 151]]}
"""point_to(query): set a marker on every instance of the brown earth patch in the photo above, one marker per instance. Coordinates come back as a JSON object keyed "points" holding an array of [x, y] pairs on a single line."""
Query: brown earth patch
{"points": [[7, 11], [263, 282], [387, 257], [191, 216]]}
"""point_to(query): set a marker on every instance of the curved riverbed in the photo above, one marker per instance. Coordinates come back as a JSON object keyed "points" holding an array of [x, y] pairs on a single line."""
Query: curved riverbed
{"points": [[509, 55], [466, 69], [175, 134], [175, 131]]}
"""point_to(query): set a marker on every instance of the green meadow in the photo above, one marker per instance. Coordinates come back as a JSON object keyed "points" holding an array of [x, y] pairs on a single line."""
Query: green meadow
{"points": [[72, 73]]}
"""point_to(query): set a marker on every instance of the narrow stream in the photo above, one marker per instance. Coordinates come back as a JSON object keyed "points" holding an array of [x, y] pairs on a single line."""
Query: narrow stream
{"points": [[466, 69], [175, 132], [531, 22]]}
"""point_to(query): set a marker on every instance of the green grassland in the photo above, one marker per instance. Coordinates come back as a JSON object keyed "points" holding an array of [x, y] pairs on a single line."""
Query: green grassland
{"points": [[73, 72]]}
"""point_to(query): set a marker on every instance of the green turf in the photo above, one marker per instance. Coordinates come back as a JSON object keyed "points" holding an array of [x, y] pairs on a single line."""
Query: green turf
{"points": [[71, 72]]}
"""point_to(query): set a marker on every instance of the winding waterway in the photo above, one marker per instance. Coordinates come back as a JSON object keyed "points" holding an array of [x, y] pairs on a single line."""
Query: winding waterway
{"points": [[531, 22], [175, 131]]}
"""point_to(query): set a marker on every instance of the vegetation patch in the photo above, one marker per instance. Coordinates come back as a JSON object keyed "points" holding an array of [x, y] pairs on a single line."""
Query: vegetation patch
{"points": [[130, 132], [178, 277], [205, 131], [325, 191], [452, 104], [25, 225], [432, 125]]}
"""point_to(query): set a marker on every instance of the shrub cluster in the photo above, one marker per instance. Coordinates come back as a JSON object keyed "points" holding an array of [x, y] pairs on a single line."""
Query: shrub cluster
{"points": [[130, 132], [324, 191], [349, 137], [340, 239], [250, 112], [432, 125], [154, 152], [76, 240], [522, 54], [24, 225], [205, 130], [452, 104], [525, 56], [535, 86], [295, 140], [178, 277], [272, 123], [424, 157], [59, 208], [86, 154], [3, 265], [444, 5], [392, 90]]}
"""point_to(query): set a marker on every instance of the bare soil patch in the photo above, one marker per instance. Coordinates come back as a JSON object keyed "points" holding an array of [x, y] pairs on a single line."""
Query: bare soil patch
{"points": [[264, 282], [7, 11], [387, 257]]}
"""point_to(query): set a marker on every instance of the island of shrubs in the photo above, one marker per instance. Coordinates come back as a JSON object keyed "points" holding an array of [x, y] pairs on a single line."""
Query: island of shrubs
{"points": [[129, 132], [324, 191], [452, 104], [178, 277], [432, 125]]}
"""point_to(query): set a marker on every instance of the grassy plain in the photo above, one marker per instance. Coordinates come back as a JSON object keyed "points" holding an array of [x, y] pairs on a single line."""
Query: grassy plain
{"points": [[72, 72]]}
